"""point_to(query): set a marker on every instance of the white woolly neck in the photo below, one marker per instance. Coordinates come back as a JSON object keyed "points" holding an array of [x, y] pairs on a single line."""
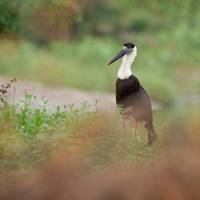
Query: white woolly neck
{"points": [[125, 68]]}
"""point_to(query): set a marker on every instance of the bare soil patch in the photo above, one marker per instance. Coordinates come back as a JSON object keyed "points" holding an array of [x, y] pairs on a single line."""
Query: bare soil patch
{"points": [[61, 96]]}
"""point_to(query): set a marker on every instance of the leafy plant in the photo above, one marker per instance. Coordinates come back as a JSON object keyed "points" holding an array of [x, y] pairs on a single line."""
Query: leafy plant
{"points": [[28, 133]]}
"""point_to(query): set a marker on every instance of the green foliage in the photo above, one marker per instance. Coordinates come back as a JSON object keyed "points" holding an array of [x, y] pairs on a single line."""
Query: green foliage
{"points": [[13, 14], [52, 19], [29, 121], [9, 17], [36, 132], [28, 136]]}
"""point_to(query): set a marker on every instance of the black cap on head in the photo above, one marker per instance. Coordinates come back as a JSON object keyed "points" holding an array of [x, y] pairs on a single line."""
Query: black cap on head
{"points": [[129, 44], [128, 50]]}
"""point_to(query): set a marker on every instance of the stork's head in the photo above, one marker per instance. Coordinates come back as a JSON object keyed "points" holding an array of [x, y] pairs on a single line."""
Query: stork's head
{"points": [[128, 49]]}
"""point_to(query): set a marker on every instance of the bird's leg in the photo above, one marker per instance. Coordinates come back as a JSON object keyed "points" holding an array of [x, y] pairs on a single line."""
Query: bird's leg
{"points": [[124, 126], [152, 136], [135, 132]]}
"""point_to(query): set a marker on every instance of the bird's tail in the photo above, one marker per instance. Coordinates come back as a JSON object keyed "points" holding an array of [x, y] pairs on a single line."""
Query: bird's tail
{"points": [[152, 136]]}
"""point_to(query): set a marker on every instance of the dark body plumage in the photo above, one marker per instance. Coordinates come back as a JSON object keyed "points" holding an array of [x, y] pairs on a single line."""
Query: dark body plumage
{"points": [[135, 103]]}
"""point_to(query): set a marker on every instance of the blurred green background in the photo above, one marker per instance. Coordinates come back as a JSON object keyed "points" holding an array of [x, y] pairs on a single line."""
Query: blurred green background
{"points": [[68, 43]]}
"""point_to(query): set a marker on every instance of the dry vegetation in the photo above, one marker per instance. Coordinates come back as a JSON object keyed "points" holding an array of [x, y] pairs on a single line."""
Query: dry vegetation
{"points": [[80, 154], [72, 173]]}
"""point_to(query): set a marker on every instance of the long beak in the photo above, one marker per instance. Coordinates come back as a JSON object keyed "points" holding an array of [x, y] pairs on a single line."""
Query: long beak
{"points": [[119, 55]]}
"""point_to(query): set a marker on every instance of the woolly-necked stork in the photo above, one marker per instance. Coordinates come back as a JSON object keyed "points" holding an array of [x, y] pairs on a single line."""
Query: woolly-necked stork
{"points": [[130, 95]]}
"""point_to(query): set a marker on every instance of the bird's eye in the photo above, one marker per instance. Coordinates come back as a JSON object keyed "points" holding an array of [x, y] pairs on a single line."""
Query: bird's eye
{"points": [[129, 47]]}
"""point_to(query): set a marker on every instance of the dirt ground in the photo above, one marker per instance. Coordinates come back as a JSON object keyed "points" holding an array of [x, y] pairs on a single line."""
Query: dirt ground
{"points": [[61, 96]]}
